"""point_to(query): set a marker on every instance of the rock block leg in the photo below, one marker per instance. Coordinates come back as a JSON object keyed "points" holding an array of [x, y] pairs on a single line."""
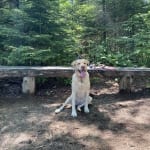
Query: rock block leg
{"points": [[28, 85]]}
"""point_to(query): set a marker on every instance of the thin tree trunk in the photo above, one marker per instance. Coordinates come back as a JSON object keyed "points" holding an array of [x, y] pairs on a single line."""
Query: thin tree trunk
{"points": [[13, 4], [104, 20]]}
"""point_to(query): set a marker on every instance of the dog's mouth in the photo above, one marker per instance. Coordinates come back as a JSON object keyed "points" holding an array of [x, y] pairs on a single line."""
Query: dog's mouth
{"points": [[82, 73]]}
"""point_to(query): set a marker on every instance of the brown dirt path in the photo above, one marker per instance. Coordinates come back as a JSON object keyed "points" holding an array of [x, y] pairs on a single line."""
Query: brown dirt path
{"points": [[115, 122]]}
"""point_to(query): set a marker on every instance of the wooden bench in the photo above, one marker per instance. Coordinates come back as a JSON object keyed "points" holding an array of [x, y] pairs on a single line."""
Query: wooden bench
{"points": [[125, 76]]}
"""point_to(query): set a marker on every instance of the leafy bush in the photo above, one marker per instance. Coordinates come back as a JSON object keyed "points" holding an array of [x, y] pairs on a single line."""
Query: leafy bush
{"points": [[26, 55]]}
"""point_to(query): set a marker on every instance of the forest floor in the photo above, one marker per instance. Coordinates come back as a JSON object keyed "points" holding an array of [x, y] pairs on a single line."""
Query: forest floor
{"points": [[115, 122]]}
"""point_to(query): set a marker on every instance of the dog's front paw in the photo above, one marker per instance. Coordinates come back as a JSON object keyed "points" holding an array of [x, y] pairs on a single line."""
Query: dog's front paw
{"points": [[86, 110], [74, 114], [57, 111]]}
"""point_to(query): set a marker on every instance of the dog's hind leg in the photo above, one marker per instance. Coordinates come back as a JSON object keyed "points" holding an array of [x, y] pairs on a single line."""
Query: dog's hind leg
{"points": [[89, 102], [79, 106], [63, 105]]}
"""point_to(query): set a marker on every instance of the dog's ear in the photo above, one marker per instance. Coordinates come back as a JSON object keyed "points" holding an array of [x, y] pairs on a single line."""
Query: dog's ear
{"points": [[73, 64]]}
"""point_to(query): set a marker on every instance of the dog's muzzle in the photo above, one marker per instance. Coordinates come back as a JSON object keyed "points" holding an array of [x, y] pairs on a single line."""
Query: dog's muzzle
{"points": [[82, 73]]}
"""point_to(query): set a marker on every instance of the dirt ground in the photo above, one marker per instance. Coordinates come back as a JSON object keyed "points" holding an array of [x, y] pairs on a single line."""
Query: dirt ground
{"points": [[115, 122]]}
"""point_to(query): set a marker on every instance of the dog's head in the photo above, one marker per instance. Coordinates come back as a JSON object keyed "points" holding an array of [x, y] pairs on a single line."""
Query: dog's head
{"points": [[80, 67]]}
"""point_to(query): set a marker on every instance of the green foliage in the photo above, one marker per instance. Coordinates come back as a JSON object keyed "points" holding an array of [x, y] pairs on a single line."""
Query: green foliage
{"points": [[43, 32], [142, 57], [29, 56]]}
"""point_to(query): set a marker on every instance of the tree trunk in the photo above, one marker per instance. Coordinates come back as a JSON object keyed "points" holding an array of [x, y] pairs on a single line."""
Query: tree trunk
{"points": [[13, 4], [104, 20]]}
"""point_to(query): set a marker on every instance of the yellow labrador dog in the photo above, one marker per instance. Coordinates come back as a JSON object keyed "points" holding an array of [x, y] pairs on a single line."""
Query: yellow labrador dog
{"points": [[80, 88]]}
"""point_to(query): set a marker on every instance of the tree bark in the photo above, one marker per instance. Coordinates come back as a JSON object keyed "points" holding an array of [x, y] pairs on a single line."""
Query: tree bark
{"points": [[13, 4]]}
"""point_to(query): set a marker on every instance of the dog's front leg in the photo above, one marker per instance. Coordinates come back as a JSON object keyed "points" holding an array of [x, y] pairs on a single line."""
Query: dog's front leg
{"points": [[86, 109], [74, 113]]}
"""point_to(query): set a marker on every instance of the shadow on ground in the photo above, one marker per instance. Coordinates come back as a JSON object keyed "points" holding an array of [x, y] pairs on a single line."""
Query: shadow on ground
{"points": [[116, 121]]}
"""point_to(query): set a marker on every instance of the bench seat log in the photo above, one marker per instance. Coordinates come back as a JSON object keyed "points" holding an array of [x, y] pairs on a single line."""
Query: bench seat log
{"points": [[112, 72], [29, 73]]}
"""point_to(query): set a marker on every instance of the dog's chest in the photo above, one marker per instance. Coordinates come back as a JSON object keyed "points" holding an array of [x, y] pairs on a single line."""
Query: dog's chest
{"points": [[80, 87], [83, 85]]}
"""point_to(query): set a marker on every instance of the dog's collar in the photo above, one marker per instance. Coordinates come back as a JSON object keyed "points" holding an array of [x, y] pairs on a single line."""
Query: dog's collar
{"points": [[81, 79]]}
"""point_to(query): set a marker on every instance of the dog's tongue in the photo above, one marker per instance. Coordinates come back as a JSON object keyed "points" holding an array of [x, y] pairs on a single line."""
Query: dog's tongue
{"points": [[82, 74]]}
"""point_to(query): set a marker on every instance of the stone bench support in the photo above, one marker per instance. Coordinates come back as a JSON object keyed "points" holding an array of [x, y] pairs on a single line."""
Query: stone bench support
{"points": [[28, 85]]}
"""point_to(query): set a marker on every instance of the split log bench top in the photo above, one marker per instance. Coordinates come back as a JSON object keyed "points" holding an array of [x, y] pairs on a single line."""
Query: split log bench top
{"points": [[29, 73], [59, 71]]}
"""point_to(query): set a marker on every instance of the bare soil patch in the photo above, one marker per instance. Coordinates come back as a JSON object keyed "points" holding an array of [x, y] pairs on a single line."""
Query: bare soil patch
{"points": [[115, 122]]}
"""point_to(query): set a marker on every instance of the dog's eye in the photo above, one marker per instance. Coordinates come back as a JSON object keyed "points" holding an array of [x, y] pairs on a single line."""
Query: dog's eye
{"points": [[78, 63], [85, 63]]}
